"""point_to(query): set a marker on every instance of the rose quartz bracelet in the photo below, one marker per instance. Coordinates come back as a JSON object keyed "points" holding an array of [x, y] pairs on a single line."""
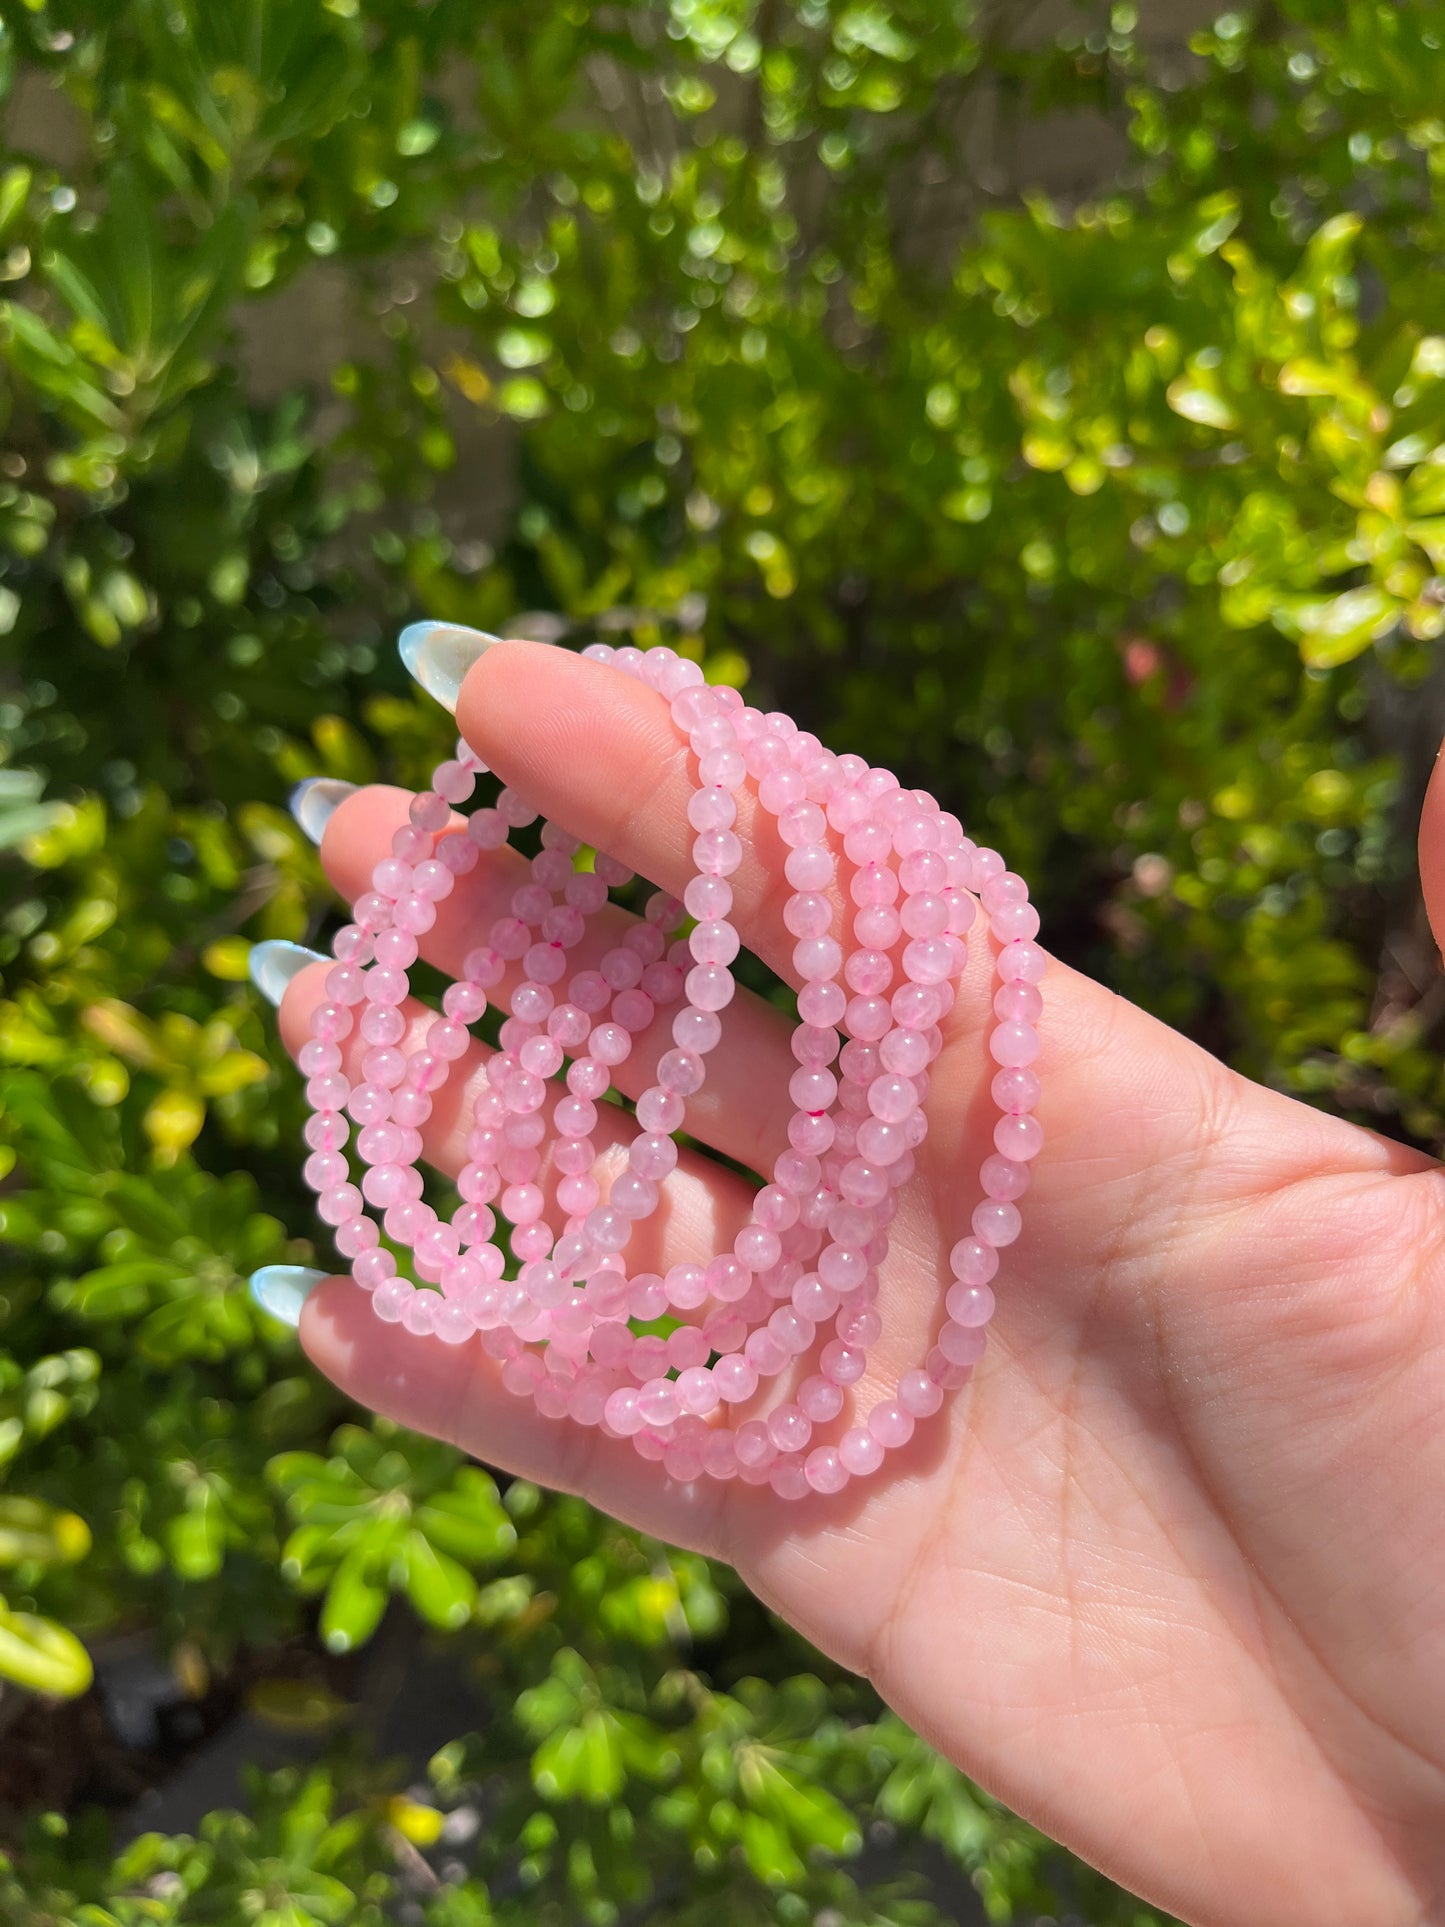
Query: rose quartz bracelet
{"points": [[802, 1276]]}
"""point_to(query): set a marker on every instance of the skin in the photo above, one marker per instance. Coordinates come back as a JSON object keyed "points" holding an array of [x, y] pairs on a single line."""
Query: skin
{"points": [[1167, 1574]]}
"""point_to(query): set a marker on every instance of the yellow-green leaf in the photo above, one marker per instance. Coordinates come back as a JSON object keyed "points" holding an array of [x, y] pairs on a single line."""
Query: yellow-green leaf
{"points": [[41, 1656], [31, 1529], [1188, 397]]}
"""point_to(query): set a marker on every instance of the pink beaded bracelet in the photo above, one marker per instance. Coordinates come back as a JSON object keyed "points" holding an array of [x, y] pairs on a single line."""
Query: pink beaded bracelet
{"points": [[564, 1324]]}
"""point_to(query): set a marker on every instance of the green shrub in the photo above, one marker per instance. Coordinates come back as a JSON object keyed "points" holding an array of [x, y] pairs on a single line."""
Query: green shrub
{"points": [[1107, 522]]}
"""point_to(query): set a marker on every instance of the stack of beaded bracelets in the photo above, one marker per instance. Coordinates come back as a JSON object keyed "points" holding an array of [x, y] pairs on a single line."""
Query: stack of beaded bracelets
{"points": [[564, 1326]]}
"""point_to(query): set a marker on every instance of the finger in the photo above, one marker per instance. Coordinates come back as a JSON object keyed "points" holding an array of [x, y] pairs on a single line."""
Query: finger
{"points": [[704, 1203], [1432, 852], [598, 752], [743, 1108], [455, 1392]]}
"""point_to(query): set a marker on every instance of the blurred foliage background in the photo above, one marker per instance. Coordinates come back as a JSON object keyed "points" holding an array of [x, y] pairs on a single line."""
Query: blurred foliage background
{"points": [[1115, 516]]}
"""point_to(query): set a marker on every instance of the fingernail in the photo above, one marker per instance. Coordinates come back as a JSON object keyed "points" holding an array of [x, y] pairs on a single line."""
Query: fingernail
{"points": [[314, 802], [439, 654], [283, 1290], [272, 965]]}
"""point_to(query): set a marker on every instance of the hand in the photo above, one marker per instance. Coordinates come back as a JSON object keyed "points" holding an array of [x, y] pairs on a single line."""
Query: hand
{"points": [[1169, 1574]]}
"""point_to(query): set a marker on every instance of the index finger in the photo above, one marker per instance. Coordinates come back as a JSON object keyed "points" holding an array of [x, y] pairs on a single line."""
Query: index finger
{"points": [[598, 752]]}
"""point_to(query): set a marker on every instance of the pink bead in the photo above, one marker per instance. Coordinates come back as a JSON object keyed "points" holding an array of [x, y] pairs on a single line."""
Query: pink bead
{"points": [[1014, 1044], [822, 1004], [825, 1470], [1003, 1179], [621, 1412], [340, 1202], [419, 1313], [788, 1479], [326, 1131], [843, 1268], [719, 852], [736, 1378], [962, 1344], [892, 1098], [372, 1268], [355, 1236], [919, 1395], [686, 1348], [905, 1052], [789, 1428], [680, 1072], [809, 867], [841, 1363], [973, 1262], [817, 959], [970, 1304], [385, 986], [1018, 1138], [794, 1332], [710, 986], [757, 1248], [811, 1135], [1015, 1090], [1015, 922], [860, 1328], [712, 808], [928, 960], [766, 1353], [869, 972], [660, 1111], [860, 1452], [653, 1156], [807, 914], [708, 897], [323, 1169], [385, 1184], [1021, 961], [389, 1301], [891, 1424], [754, 1445], [996, 1223]]}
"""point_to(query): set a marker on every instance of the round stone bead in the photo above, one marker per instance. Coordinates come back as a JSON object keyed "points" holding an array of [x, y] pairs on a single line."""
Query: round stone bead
{"points": [[860, 1451], [970, 1304], [891, 1424], [996, 1223], [962, 1344], [919, 1395], [824, 1470]]}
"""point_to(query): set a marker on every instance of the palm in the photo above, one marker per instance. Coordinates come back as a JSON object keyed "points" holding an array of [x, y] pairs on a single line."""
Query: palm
{"points": [[1166, 1576]]}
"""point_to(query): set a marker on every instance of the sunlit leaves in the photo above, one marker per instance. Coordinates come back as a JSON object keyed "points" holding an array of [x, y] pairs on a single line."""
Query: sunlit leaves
{"points": [[386, 1514]]}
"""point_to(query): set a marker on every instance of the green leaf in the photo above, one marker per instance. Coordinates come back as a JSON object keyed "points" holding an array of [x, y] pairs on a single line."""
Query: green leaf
{"points": [[14, 192], [31, 1529], [41, 1656], [1188, 397], [196, 1538], [441, 1590], [1335, 630], [354, 1603]]}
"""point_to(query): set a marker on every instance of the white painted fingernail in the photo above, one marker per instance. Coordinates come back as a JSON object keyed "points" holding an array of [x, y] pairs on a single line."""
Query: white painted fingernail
{"points": [[314, 802], [439, 654], [273, 964], [283, 1290]]}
